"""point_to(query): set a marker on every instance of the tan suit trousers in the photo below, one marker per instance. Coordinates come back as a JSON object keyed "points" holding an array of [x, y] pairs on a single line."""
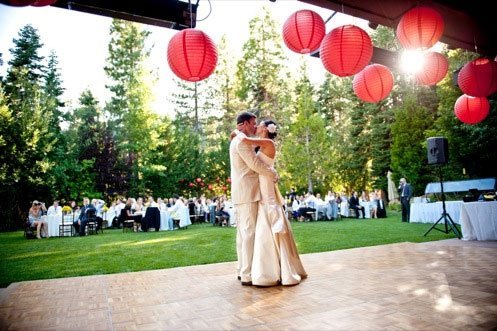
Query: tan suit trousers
{"points": [[246, 218]]}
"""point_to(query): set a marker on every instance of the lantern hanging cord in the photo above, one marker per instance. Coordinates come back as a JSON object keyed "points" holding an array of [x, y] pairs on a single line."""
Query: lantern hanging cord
{"points": [[476, 46], [329, 18], [210, 11]]}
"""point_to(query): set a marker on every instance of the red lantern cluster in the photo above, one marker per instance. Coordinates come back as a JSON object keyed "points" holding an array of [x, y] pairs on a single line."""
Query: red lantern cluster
{"points": [[435, 69], [374, 83], [478, 78], [303, 31], [36, 3], [471, 110], [420, 27], [192, 55], [346, 50]]}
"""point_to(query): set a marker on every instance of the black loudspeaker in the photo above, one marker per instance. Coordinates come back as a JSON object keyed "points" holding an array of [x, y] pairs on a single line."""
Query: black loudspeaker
{"points": [[438, 150]]}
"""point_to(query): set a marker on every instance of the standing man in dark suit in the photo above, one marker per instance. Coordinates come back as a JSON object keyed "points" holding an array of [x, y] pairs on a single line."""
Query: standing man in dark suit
{"points": [[405, 192]]}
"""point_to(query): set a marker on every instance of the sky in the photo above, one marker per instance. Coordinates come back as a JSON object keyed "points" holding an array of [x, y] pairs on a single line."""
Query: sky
{"points": [[80, 40]]}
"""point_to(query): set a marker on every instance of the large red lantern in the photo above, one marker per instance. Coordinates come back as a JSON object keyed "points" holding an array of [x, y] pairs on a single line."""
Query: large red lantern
{"points": [[420, 27], [435, 69], [192, 55], [303, 31], [471, 110], [346, 50], [42, 3], [478, 78], [374, 83]]}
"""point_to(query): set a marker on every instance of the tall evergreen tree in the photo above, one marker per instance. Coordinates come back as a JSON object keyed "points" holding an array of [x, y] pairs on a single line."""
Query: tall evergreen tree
{"points": [[130, 116], [261, 70], [29, 141], [305, 150]]}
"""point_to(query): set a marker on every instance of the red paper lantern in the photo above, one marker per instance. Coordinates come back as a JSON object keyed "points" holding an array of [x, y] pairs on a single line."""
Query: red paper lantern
{"points": [[478, 78], [346, 50], [303, 31], [471, 110], [199, 180], [420, 27], [192, 55], [374, 83], [228, 180], [435, 69], [210, 186], [42, 3], [191, 185]]}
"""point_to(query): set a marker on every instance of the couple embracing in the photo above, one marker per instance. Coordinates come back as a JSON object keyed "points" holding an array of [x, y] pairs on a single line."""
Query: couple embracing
{"points": [[266, 250]]}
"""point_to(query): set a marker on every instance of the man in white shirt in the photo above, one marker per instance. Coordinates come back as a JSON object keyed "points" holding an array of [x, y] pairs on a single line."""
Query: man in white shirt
{"points": [[54, 209]]}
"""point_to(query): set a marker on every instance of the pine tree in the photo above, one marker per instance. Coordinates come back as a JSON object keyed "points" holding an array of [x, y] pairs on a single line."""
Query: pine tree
{"points": [[130, 116], [261, 70], [306, 148], [28, 141]]}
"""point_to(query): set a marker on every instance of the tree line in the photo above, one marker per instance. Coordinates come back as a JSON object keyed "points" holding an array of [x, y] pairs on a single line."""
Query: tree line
{"points": [[328, 138]]}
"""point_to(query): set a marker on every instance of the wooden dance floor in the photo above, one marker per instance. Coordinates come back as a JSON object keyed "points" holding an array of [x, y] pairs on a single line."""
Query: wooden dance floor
{"points": [[444, 285]]}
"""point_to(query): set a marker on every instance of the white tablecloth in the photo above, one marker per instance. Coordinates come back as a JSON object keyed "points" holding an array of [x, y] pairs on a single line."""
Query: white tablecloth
{"points": [[479, 220], [55, 220], [431, 212]]}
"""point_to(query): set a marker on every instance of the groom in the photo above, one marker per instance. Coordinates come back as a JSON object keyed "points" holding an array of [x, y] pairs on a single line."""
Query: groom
{"points": [[245, 192]]}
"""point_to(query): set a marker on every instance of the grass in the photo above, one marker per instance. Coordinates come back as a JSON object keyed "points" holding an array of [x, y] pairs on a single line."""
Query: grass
{"points": [[116, 252]]}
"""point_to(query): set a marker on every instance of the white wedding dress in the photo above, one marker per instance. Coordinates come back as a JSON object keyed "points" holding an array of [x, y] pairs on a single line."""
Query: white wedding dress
{"points": [[276, 259]]}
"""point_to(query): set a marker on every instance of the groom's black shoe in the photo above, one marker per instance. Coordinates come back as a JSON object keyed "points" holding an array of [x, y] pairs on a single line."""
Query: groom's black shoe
{"points": [[247, 283]]}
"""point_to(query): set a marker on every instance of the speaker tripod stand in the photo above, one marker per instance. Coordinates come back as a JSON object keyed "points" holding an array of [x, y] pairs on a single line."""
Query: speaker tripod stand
{"points": [[448, 222]]}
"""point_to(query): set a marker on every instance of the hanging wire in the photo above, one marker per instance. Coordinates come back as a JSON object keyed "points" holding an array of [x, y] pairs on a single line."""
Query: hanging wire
{"points": [[191, 13]]}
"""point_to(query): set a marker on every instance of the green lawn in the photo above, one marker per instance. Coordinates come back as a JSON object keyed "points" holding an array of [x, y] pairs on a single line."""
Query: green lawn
{"points": [[115, 251]]}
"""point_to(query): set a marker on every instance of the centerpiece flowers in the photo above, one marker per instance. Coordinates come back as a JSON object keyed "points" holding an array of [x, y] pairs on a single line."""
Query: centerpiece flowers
{"points": [[66, 209]]}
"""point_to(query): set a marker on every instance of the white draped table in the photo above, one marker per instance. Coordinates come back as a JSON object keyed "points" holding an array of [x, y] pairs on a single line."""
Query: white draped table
{"points": [[422, 212], [479, 220]]}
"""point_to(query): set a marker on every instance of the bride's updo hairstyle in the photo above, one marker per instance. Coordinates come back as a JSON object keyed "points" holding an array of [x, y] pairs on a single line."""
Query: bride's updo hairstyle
{"points": [[271, 128]]}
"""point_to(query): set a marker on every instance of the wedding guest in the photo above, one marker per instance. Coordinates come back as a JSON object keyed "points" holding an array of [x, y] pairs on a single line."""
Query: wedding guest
{"points": [[36, 220], [55, 209]]}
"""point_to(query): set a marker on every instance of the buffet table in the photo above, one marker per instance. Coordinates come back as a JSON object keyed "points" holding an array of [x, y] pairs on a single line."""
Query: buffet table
{"points": [[479, 220], [422, 212]]}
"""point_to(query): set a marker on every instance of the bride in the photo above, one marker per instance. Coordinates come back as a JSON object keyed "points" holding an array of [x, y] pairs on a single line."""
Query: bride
{"points": [[276, 259]]}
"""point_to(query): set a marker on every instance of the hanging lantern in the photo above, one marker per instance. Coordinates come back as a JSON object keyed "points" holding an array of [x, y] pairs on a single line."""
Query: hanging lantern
{"points": [[471, 110], [42, 3], [420, 27], [478, 78], [346, 50], [303, 31], [191, 184], [192, 55], [435, 69], [374, 83], [199, 180], [210, 186]]}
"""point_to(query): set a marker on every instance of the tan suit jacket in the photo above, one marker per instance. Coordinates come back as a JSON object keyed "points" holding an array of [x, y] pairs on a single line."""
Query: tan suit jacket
{"points": [[245, 170]]}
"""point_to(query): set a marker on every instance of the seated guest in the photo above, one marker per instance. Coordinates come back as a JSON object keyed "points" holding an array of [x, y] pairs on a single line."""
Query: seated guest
{"points": [[373, 199], [355, 205], [130, 206], [295, 207], [381, 210], [83, 216], [55, 209], [36, 220], [98, 204]]}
